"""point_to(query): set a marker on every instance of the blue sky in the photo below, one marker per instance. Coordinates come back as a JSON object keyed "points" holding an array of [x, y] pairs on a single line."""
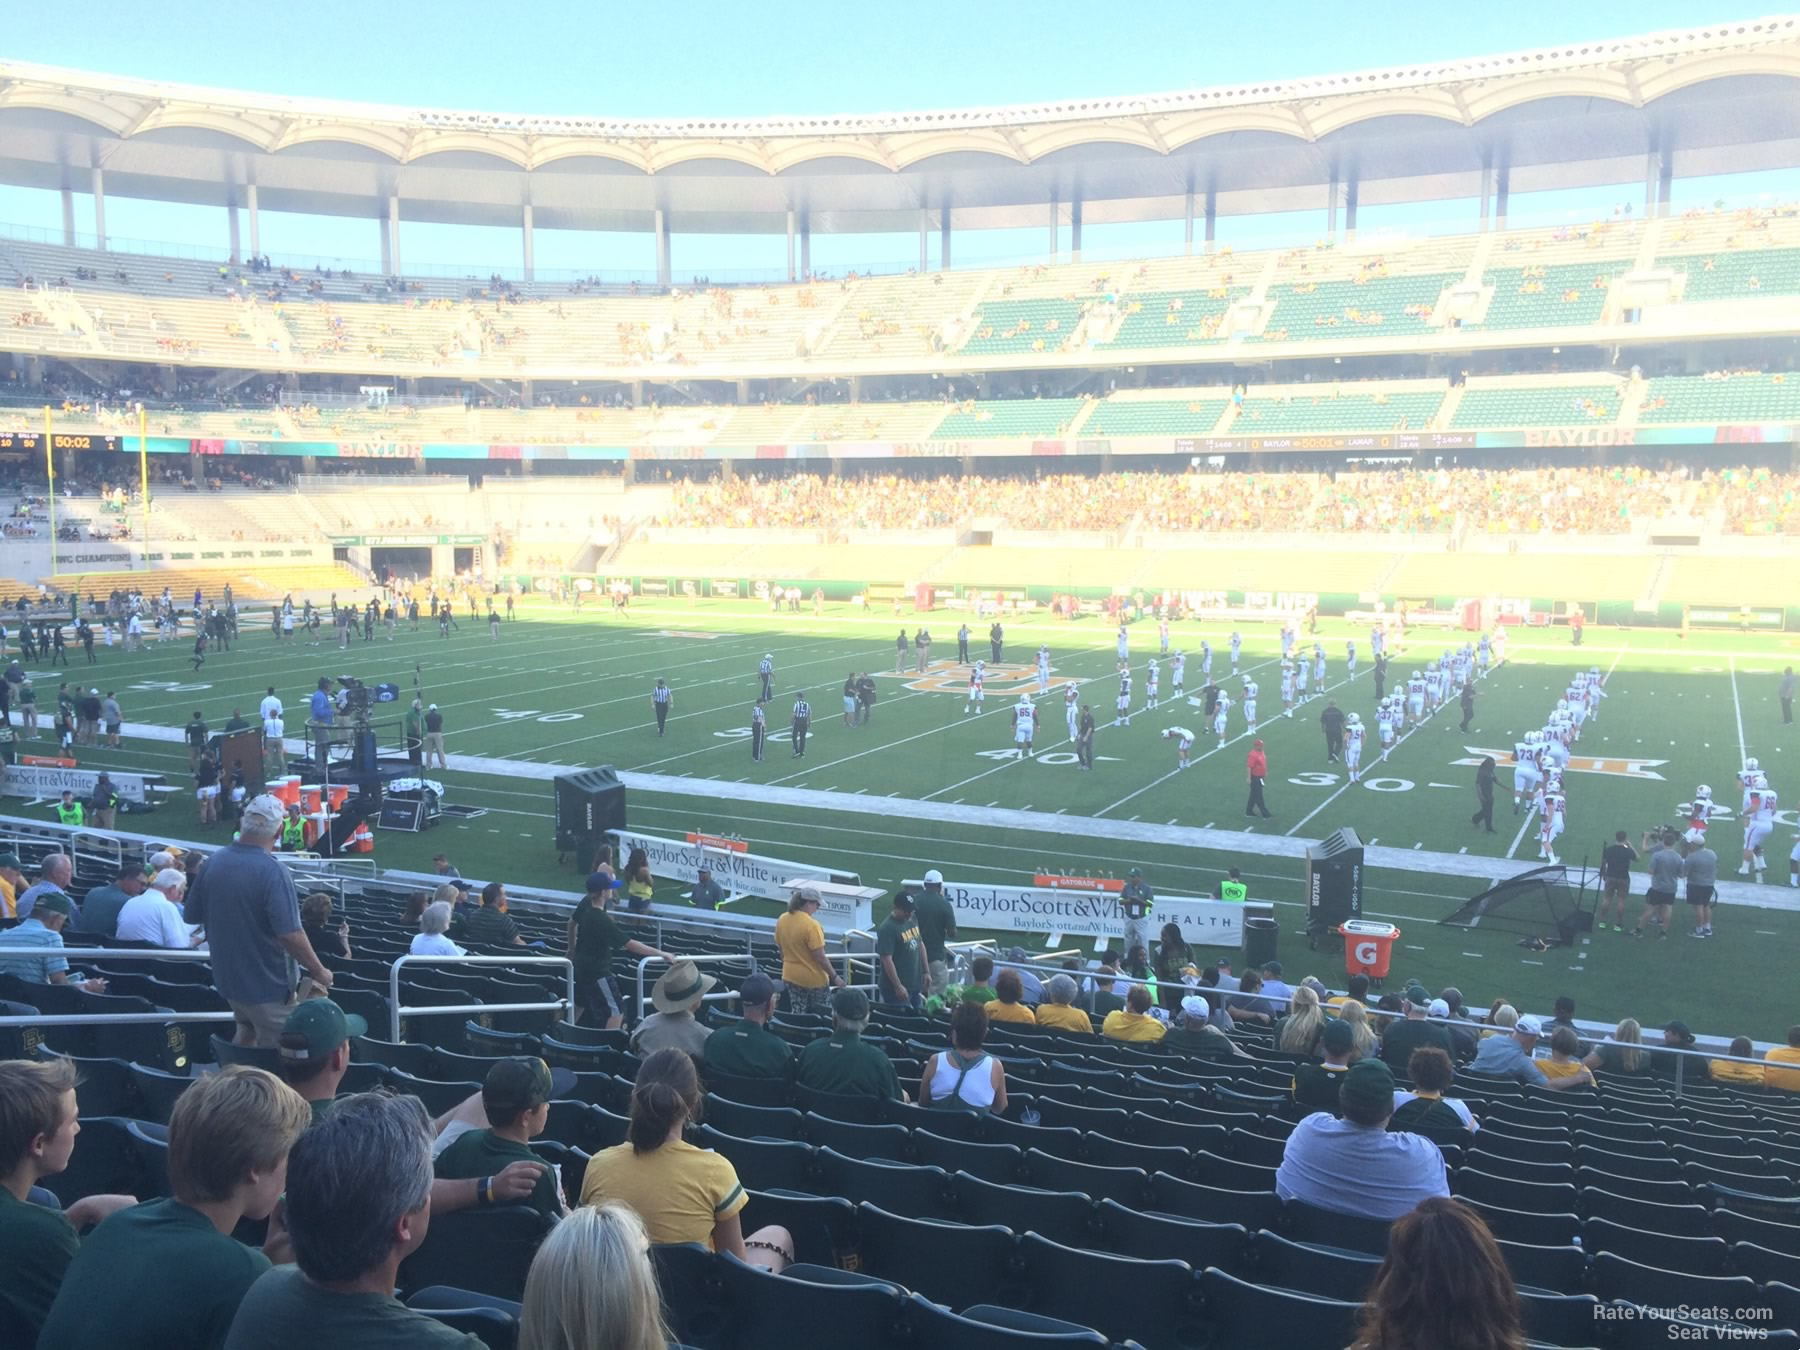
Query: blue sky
{"points": [[705, 58]]}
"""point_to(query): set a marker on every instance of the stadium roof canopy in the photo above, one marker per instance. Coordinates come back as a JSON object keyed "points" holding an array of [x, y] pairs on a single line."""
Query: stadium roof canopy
{"points": [[1693, 103]]}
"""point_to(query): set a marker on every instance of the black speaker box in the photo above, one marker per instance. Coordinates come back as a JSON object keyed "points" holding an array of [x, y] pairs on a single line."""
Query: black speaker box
{"points": [[588, 804]]}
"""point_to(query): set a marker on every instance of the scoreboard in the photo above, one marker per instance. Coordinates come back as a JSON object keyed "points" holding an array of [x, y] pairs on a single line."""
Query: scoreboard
{"points": [[32, 442]]}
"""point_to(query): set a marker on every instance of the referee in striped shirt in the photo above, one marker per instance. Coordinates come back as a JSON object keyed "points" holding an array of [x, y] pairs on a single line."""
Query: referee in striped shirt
{"points": [[802, 724], [758, 728], [660, 699]]}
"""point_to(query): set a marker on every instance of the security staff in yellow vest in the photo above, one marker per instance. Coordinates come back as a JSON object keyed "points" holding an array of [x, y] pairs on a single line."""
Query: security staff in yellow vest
{"points": [[293, 830], [1233, 888], [69, 811]]}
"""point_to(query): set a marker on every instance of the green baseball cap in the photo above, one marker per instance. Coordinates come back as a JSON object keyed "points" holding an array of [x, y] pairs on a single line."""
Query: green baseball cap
{"points": [[11, 860], [522, 1082], [54, 902], [317, 1027], [1369, 1083]]}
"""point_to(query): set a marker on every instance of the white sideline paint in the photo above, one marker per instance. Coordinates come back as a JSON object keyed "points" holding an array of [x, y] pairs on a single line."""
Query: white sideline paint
{"points": [[1490, 870]]}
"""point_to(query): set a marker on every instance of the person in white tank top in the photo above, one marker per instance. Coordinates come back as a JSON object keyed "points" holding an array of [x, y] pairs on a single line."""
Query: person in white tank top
{"points": [[965, 1077]]}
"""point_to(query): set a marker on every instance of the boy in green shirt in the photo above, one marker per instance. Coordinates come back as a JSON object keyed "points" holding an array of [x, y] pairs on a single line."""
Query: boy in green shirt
{"points": [[168, 1272], [516, 1098], [980, 988]]}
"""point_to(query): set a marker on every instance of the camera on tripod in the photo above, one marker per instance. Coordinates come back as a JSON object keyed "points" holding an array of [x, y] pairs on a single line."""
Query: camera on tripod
{"points": [[358, 698]]}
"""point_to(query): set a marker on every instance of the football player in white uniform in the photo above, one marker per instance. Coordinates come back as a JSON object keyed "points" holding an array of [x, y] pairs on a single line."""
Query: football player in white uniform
{"points": [[1072, 708], [1287, 638], [977, 674], [1250, 702], [1353, 739], [1300, 679], [1578, 708], [1350, 659], [1699, 814], [1319, 667], [1555, 750], [1750, 777], [1124, 646], [1178, 676], [1152, 684], [1758, 826], [1415, 698], [1384, 725], [1043, 670], [1287, 688], [1123, 717], [1551, 825], [1024, 722], [1222, 707], [1794, 864], [1162, 633], [1237, 646], [1483, 653], [1526, 773], [1205, 660], [1184, 742], [1499, 646], [1595, 691]]}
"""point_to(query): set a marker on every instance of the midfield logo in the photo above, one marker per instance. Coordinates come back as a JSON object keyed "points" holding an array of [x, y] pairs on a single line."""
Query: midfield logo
{"points": [[998, 681], [1615, 768]]}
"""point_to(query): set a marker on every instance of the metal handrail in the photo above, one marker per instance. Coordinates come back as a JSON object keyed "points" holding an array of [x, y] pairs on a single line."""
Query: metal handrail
{"points": [[396, 1011]]}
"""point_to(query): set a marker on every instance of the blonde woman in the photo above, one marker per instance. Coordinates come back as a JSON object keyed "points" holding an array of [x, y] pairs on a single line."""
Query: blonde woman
{"points": [[592, 1286], [1356, 1014], [1501, 1021], [1626, 1056], [1298, 1032]]}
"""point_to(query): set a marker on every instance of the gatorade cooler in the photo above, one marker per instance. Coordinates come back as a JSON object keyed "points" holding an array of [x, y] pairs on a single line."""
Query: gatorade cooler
{"points": [[1368, 946], [310, 795]]}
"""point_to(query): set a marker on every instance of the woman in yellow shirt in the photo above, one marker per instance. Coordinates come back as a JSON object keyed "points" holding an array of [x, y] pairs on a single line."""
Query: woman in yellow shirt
{"points": [[1565, 1058], [1133, 1022], [1060, 1012], [1724, 1071], [682, 1193], [804, 968], [639, 888], [1007, 1005]]}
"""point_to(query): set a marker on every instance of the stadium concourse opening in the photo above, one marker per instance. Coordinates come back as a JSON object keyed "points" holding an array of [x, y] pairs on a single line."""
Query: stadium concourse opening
{"points": [[679, 732]]}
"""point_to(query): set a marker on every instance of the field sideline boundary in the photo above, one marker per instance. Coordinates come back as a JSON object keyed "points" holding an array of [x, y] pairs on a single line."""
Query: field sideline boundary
{"points": [[1746, 894]]}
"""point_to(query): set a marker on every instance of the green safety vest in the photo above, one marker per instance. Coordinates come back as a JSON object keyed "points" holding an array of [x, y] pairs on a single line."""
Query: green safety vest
{"points": [[70, 815], [293, 833], [1233, 890]]}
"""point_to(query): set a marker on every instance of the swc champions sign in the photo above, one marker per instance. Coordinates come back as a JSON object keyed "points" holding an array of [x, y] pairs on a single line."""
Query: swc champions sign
{"points": [[1045, 909], [748, 874]]}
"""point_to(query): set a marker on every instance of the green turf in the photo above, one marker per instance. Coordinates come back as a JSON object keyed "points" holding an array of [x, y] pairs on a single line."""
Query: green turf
{"points": [[1671, 700]]}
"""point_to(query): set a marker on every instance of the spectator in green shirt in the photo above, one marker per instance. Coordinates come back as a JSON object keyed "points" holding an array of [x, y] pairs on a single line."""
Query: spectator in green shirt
{"points": [[980, 988], [516, 1098], [843, 1062], [38, 1124], [358, 1203], [315, 1050], [749, 1049], [168, 1272], [904, 980], [1105, 1000], [937, 926]]}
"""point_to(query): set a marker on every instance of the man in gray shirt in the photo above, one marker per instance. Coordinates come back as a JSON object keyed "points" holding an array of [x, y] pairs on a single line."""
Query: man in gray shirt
{"points": [[1701, 868], [1665, 876]]}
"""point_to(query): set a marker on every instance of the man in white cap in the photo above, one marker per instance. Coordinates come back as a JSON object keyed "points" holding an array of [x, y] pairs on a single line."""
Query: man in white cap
{"points": [[246, 902], [937, 927], [434, 737], [1506, 1056]]}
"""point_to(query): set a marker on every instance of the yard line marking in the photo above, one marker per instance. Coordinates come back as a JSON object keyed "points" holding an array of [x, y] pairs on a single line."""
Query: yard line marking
{"points": [[1409, 947], [1763, 932], [859, 792], [1170, 821], [1137, 817], [1463, 849], [1420, 846], [1207, 826], [1524, 825], [1530, 963], [1476, 955], [1737, 707]]}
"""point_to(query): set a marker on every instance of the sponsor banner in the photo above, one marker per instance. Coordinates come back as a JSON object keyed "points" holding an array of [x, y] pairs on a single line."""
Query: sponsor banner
{"points": [[1744, 616], [47, 782], [723, 588], [748, 874], [652, 586], [1077, 883], [718, 841], [1045, 909]]}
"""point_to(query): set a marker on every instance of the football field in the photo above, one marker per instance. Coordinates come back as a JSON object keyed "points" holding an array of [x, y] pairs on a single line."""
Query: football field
{"points": [[926, 783]]}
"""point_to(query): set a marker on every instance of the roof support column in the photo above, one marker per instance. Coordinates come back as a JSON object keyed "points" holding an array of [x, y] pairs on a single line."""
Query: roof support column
{"points": [[663, 270], [1653, 173], [924, 239], [1187, 223], [1502, 195], [1075, 230], [944, 238], [99, 209], [1487, 192], [1055, 212], [1331, 205], [393, 229], [1212, 217], [255, 226], [806, 246], [236, 254], [790, 238], [1352, 190], [1665, 184], [525, 228], [387, 248], [68, 206]]}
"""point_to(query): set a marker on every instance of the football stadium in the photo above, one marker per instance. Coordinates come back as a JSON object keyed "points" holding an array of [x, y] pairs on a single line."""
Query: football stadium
{"points": [[538, 795]]}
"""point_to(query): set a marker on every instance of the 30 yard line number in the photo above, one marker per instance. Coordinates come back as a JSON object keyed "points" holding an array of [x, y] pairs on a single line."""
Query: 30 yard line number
{"points": [[520, 714]]}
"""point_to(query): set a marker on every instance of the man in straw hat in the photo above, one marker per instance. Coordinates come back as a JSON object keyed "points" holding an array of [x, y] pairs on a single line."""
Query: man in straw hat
{"points": [[673, 1026]]}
